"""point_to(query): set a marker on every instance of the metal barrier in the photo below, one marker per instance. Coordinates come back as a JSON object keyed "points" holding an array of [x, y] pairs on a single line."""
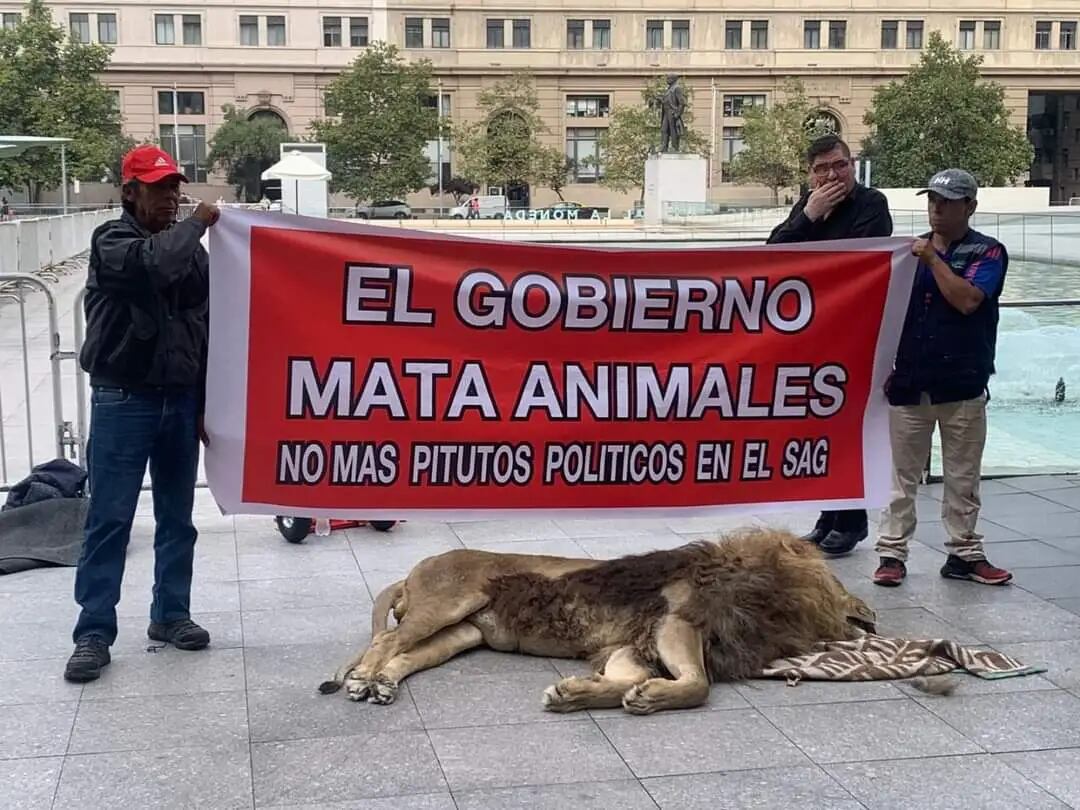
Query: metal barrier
{"points": [[20, 285]]}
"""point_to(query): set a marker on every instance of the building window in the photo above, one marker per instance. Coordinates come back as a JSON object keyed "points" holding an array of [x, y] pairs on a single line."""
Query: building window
{"points": [[654, 34], [164, 29], [432, 103], [189, 102], [115, 94], [601, 34], [1067, 38], [811, 39], [1042, 36], [187, 146], [80, 27], [106, 29], [913, 35], [249, 30], [734, 105], [358, 32], [680, 35], [731, 146], [575, 34], [890, 34], [414, 32], [440, 32], [966, 41], [588, 106], [192, 24], [733, 35], [522, 34], [275, 31], [495, 30], [837, 34], [583, 151], [331, 32], [759, 34], [11, 19], [992, 35]]}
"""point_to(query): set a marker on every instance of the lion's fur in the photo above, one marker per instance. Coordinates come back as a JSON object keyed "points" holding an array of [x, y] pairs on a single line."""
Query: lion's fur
{"points": [[751, 597]]}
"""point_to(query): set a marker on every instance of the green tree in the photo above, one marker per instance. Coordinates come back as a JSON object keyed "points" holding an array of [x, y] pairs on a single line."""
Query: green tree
{"points": [[554, 169], [939, 116], [458, 187], [244, 149], [379, 122], [775, 140], [504, 147], [48, 88], [633, 134]]}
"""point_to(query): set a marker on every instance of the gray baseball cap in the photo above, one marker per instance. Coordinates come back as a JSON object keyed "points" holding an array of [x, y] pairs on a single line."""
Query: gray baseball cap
{"points": [[952, 184]]}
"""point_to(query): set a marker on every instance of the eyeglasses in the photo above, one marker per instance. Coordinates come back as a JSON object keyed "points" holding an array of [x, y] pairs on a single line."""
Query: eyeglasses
{"points": [[822, 169]]}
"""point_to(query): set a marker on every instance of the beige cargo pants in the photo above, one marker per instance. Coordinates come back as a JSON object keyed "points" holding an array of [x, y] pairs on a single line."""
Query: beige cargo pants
{"points": [[962, 426]]}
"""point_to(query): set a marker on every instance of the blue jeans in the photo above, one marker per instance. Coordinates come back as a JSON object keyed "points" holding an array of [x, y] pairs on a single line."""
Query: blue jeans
{"points": [[127, 431]]}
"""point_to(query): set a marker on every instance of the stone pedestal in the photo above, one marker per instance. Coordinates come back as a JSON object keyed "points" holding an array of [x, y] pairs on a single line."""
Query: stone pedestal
{"points": [[672, 178]]}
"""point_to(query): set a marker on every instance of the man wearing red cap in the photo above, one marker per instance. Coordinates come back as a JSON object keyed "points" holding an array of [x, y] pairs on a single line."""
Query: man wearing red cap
{"points": [[147, 295]]}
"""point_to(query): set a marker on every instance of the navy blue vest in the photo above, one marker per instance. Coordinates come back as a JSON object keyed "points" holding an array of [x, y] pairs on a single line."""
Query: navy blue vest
{"points": [[943, 352]]}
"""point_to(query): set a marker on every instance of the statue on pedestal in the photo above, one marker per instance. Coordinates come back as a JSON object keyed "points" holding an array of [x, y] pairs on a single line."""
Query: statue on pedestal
{"points": [[672, 107]]}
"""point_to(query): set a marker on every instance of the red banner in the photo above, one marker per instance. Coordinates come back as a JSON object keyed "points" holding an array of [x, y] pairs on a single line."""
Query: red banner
{"points": [[359, 371]]}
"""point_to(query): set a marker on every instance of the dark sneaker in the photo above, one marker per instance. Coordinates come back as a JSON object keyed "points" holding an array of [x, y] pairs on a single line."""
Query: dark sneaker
{"points": [[183, 634], [843, 542], [890, 573], [974, 571], [91, 654], [821, 529]]}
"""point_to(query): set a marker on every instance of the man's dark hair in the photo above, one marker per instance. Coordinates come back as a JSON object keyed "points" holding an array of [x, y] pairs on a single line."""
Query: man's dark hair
{"points": [[825, 144]]}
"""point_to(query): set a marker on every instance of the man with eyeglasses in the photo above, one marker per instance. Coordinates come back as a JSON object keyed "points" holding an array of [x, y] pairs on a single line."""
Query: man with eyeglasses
{"points": [[835, 207]]}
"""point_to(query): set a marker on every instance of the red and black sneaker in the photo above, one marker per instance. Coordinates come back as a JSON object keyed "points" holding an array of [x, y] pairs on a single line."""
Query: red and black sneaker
{"points": [[890, 573], [974, 571]]}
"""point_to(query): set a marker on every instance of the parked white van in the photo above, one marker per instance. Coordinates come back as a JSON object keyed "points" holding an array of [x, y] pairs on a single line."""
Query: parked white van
{"points": [[492, 206]]}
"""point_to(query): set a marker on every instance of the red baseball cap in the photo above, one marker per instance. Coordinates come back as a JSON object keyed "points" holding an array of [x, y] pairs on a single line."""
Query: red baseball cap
{"points": [[149, 164]]}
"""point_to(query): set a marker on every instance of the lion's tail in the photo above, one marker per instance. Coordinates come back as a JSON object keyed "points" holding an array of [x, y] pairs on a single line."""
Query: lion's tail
{"points": [[380, 611], [379, 618]]}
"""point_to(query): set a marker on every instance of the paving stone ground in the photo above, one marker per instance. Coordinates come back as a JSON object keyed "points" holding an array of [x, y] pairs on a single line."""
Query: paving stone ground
{"points": [[241, 725]]}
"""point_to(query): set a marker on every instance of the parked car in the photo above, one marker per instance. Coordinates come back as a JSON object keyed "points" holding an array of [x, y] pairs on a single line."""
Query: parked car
{"points": [[384, 209], [574, 210]]}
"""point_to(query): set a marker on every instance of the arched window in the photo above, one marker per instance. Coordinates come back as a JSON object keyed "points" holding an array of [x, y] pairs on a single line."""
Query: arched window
{"points": [[268, 115]]}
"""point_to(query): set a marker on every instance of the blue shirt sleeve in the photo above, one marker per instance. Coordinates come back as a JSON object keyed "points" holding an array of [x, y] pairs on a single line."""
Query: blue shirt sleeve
{"points": [[986, 272]]}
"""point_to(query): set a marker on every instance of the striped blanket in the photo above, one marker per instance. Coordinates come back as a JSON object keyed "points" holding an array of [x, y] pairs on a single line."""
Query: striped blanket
{"points": [[875, 658]]}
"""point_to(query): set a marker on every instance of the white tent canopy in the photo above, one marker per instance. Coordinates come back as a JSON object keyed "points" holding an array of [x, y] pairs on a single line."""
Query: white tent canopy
{"points": [[13, 145], [295, 166], [307, 193]]}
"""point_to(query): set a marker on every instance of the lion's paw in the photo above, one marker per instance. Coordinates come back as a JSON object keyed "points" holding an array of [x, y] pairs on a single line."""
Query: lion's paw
{"points": [[551, 698], [358, 689], [382, 692], [637, 701]]}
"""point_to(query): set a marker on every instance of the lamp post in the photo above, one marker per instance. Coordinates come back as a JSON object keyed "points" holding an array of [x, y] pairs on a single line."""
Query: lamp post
{"points": [[438, 143]]}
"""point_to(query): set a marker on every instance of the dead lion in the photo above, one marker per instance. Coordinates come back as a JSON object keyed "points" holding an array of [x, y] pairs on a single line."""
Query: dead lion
{"points": [[657, 627]]}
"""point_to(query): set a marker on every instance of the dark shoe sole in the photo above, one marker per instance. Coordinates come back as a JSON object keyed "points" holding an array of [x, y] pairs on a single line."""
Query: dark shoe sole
{"points": [[888, 583], [180, 645], [85, 676], [847, 548], [978, 579]]}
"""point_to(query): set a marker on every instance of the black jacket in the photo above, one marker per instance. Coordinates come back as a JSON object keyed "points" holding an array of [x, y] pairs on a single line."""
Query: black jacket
{"points": [[863, 213], [58, 478], [147, 313]]}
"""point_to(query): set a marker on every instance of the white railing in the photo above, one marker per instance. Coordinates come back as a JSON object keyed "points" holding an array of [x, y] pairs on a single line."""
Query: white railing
{"points": [[32, 245]]}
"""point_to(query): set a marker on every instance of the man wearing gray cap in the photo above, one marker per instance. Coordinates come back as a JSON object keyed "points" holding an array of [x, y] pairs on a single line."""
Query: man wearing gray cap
{"points": [[943, 364]]}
